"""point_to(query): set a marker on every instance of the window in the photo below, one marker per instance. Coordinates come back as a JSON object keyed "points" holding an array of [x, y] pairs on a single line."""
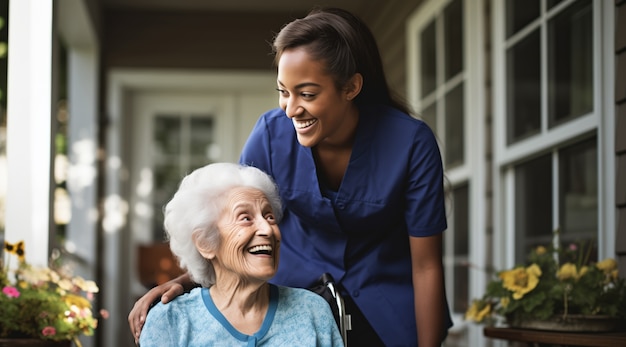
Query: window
{"points": [[441, 87], [564, 35], [445, 65], [181, 144], [441, 82], [549, 121], [576, 202]]}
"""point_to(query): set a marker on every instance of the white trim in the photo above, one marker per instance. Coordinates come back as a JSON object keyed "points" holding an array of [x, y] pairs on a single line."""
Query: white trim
{"points": [[29, 120], [606, 131], [175, 79], [476, 151], [556, 137]]}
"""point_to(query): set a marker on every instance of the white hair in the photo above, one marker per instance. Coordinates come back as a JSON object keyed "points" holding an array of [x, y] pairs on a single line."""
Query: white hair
{"points": [[196, 207]]}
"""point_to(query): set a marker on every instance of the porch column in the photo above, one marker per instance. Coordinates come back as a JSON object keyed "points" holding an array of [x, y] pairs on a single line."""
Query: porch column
{"points": [[29, 121]]}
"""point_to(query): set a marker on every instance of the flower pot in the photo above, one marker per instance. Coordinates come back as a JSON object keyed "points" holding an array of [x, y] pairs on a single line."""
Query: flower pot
{"points": [[17, 342], [571, 323]]}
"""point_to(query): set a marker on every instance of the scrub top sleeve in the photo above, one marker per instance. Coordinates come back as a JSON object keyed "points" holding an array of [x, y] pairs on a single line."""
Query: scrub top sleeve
{"points": [[256, 151], [425, 214]]}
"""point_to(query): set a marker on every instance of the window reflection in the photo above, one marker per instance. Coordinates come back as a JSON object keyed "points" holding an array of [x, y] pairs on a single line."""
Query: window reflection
{"points": [[578, 191], [570, 63], [428, 54], [167, 134], [181, 144], [533, 205], [524, 88], [453, 22], [455, 138], [520, 13]]}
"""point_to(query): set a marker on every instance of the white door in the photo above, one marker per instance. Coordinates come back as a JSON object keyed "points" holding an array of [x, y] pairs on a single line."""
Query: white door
{"points": [[162, 125], [173, 135]]}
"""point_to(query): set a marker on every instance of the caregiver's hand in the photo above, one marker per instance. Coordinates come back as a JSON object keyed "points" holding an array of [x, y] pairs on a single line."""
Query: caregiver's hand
{"points": [[166, 291]]}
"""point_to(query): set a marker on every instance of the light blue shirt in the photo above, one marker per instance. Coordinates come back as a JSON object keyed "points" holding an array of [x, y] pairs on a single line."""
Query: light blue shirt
{"points": [[295, 317]]}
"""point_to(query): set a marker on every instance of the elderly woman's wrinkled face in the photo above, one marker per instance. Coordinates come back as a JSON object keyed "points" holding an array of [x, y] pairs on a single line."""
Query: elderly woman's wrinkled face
{"points": [[250, 237]]}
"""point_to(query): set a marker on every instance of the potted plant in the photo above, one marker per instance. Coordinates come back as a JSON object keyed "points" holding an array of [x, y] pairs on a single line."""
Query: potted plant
{"points": [[44, 303], [557, 289]]}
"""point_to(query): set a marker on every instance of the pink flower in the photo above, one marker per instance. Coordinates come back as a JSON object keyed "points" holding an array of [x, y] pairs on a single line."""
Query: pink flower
{"points": [[11, 292], [104, 313], [573, 247], [48, 331]]}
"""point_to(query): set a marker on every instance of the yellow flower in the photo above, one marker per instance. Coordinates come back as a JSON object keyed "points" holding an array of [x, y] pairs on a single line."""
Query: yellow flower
{"points": [[504, 302], [615, 274], [477, 313], [17, 249], [76, 300], [540, 250], [607, 265], [521, 280], [583, 270], [569, 271]]}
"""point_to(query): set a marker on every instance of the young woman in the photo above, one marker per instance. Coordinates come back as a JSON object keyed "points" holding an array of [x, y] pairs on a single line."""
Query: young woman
{"points": [[362, 183]]}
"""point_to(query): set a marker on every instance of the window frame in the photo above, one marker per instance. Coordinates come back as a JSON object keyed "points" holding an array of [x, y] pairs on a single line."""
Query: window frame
{"points": [[599, 122], [473, 171]]}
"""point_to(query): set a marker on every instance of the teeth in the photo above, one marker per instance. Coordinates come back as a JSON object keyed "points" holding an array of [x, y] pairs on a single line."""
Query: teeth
{"points": [[261, 248], [303, 124]]}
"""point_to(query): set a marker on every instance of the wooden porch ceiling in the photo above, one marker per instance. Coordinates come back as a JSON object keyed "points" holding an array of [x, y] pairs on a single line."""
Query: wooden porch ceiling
{"points": [[359, 7]]}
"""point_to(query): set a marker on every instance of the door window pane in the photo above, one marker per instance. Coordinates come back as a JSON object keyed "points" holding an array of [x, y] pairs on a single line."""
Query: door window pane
{"points": [[533, 205], [455, 139], [182, 144], [524, 88], [167, 135], [166, 178], [578, 193], [453, 22], [520, 13], [428, 53], [570, 63], [201, 136]]}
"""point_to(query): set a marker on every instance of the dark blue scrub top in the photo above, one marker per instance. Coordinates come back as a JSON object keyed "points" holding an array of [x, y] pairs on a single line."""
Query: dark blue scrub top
{"points": [[392, 188]]}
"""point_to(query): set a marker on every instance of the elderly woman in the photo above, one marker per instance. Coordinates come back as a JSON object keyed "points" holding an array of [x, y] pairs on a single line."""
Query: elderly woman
{"points": [[222, 225]]}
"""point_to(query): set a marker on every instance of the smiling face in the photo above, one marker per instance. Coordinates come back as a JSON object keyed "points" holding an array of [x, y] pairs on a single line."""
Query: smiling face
{"points": [[321, 112], [249, 238]]}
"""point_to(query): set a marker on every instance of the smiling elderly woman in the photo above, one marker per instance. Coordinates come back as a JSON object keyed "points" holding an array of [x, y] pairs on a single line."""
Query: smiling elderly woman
{"points": [[222, 225]]}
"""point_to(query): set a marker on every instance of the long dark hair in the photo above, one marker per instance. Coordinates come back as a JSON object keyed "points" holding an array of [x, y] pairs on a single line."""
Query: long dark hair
{"points": [[346, 45]]}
